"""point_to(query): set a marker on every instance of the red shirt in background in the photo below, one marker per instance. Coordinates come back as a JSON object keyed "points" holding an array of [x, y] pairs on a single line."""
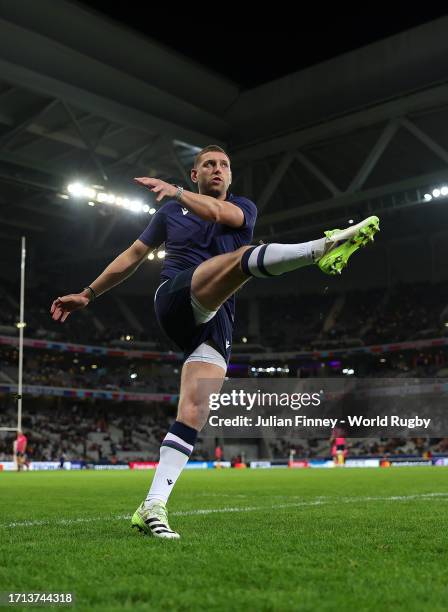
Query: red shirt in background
{"points": [[21, 443]]}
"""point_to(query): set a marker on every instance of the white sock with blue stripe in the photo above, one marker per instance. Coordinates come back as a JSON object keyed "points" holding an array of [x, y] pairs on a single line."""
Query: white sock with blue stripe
{"points": [[175, 451], [275, 259]]}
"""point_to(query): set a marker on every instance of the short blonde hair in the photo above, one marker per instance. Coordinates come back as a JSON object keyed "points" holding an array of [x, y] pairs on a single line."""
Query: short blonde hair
{"points": [[208, 149]]}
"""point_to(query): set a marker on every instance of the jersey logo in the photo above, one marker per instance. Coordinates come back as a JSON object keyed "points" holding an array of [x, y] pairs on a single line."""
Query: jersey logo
{"points": [[227, 344], [185, 211]]}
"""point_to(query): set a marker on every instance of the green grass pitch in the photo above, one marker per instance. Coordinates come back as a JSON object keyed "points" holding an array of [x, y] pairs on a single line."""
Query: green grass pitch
{"points": [[342, 539]]}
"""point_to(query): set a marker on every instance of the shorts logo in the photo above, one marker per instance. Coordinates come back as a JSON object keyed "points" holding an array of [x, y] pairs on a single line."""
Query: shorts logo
{"points": [[185, 211], [227, 344]]}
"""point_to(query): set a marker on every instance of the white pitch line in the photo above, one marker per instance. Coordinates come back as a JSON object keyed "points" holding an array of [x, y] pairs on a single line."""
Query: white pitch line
{"points": [[200, 512]]}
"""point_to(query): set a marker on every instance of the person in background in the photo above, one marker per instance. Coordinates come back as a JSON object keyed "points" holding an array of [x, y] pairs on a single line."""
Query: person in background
{"points": [[218, 456], [338, 446], [19, 450]]}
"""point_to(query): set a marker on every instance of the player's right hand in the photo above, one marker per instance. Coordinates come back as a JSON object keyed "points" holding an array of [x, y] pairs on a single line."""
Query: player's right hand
{"points": [[63, 306]]}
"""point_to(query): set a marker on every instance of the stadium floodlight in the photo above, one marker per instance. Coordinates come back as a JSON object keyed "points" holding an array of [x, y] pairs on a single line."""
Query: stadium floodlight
{"points": [[151, 256], [136, 206], [78, 190], [106, 198], [350, 221], [437, 192], [161, 254], [75, 189], [98, 195], [133, 375]]}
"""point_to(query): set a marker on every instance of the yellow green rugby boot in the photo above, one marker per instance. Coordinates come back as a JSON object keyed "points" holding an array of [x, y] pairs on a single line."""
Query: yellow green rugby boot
{"points": [[153, 520], [341, 244]]}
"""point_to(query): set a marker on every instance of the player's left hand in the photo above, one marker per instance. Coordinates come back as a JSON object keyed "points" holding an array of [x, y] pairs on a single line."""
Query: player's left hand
{"points": [[157, 186]]}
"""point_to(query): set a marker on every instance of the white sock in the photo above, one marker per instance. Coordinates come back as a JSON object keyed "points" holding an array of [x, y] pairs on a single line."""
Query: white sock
{"points": [[174, 454], [274, 259]]}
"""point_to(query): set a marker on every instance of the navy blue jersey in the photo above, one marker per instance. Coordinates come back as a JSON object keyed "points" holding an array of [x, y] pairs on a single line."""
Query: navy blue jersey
{"points": [[189, 240]]}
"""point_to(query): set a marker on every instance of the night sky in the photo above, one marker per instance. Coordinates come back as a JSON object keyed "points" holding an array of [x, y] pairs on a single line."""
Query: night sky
{"points": [[252, 57]]}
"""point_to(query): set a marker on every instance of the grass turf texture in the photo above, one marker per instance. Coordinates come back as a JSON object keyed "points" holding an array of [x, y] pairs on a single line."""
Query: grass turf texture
{"points": [[308, 540]]}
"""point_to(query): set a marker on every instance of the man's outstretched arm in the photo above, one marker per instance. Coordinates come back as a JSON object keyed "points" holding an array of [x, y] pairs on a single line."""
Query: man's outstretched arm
{"points": [[204, 206], [116, 272]]}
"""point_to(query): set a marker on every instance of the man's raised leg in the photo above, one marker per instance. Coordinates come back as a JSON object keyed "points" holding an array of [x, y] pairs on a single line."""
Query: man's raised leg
{"points": [[216, 279]]}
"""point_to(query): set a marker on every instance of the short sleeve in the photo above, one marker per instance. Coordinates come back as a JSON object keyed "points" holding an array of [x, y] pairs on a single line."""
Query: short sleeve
{"points": [[250, 212], [155, 232]]}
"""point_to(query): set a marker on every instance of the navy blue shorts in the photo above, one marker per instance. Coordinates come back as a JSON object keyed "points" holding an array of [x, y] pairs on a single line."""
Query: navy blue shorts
{"points": [[174, 312]]}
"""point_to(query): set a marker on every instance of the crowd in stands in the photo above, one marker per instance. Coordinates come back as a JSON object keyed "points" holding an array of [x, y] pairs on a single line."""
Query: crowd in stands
{"points": [[359, 447], [89, 431], [402, 313], [102, 323], [52, 368], [302, 322], [65, 369], [115, 432], [97, 432]]}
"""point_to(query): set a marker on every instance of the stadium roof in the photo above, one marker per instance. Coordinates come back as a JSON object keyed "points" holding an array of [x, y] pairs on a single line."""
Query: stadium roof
{"points": [[98, 101], [259, 53]]}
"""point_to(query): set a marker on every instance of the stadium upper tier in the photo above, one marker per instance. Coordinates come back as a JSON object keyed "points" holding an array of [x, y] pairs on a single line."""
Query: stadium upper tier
{"points": [[301, 324]]}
